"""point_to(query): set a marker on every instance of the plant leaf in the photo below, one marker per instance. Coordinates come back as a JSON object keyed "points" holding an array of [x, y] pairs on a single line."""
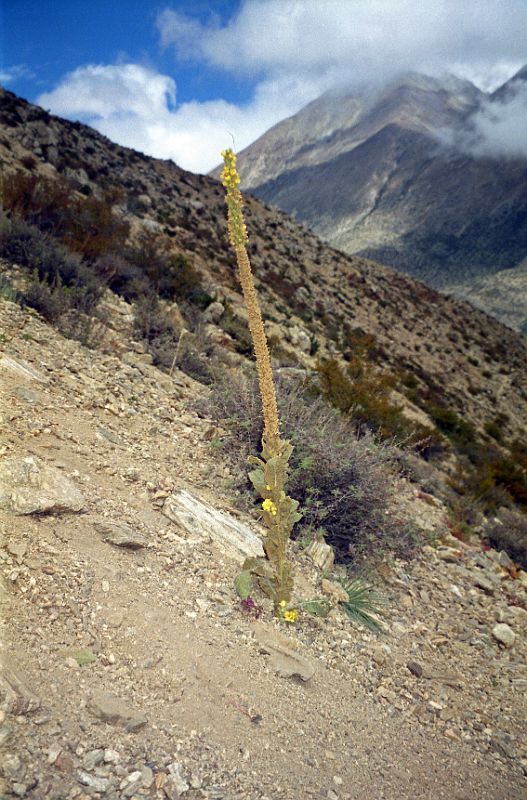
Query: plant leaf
{"points": [[243, 583], [318, 608]]}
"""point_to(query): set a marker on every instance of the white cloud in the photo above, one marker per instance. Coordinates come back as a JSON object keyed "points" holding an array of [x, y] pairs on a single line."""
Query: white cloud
{"points": [[13, 73], [136, 106], [106, 91], [362, 40], [294, 51], [498, 128]]}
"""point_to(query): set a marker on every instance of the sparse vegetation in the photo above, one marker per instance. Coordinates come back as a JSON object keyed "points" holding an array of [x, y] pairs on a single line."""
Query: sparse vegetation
{"points": [[508, 531], [342, 480], [57, 280]]}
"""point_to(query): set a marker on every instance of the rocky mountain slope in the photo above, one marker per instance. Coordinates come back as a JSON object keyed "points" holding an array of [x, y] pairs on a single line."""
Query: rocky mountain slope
{"points": [[129, 668], [315, 298], [383, 176]]}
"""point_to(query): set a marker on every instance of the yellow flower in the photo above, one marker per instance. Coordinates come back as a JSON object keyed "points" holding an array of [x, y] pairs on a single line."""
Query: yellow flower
{"points": [[291, 616], [269, 506]]}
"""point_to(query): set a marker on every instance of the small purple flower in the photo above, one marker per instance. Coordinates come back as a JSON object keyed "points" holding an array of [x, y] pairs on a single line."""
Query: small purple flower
{"points": [[249, 605]]}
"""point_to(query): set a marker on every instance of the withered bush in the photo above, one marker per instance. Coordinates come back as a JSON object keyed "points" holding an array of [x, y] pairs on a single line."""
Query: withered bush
{"points": [[87, 226], [57, 281], [343, 480], [508, 531], [169, 274]]}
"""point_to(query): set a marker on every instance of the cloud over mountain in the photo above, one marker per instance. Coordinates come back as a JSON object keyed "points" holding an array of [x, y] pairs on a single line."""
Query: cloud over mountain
{"points": [[293, 53]]}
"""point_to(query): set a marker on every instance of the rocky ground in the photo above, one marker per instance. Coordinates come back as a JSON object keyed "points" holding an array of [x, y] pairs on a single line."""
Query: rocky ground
{"points": [[130, 669]]}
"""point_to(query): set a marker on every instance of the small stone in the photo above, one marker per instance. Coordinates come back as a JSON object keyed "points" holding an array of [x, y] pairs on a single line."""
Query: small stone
{"points": [[214, 312], [379, 656], [322, 555], [133, 777], [147, 777], [97, 784], [522, 578], [504, 634], [53, 754], [415, 668], [448, 554], [502, 743], [92, 759], [17, 549], [104, 433], [12, 766], [482, 582], [64, 763], [111, 757], [120, 535], [175, 784]]}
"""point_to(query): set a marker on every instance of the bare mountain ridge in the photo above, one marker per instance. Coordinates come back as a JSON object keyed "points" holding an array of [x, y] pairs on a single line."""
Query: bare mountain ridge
{"points": [[478, 365], [382, 177]]}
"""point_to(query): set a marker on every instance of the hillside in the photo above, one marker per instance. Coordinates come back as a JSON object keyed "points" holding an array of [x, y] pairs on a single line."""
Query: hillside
{"points": [[478, 364], [382, 176], [129, 667]]}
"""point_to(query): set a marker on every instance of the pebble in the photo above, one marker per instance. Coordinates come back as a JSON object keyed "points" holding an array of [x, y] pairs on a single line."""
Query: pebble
{"points": [[504, 634], [97, 784]]}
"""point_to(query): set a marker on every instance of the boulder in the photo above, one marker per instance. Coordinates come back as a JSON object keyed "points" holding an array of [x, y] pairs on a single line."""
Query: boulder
{"points": [[28, 486]]}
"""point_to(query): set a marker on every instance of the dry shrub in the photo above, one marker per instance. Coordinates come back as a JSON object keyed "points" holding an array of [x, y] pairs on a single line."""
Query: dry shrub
{"points": [[343, 480], [508, 531], [58, 282]]}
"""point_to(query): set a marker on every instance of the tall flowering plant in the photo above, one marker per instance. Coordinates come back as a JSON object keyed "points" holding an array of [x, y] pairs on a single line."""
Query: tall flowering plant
{"points": [[269, 476]]}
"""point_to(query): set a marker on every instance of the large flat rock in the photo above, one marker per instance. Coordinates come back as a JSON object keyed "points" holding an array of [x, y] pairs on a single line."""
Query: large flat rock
{"points": [[200, 519], [29, 486]]}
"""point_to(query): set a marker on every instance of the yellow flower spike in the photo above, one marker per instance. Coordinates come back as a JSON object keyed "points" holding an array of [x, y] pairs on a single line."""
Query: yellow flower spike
{"points": [[275, 451]]}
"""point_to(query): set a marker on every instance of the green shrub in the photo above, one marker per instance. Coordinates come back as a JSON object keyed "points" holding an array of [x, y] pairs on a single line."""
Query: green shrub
{"points": [[365, 394]]}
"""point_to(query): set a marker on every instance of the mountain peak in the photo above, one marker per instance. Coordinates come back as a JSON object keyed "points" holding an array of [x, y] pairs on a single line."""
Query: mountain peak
{"points": [[510, 86]]}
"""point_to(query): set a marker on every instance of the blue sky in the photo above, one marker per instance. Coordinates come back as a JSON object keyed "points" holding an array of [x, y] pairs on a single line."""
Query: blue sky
{"points": [[53, 38], [176, 79]]}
